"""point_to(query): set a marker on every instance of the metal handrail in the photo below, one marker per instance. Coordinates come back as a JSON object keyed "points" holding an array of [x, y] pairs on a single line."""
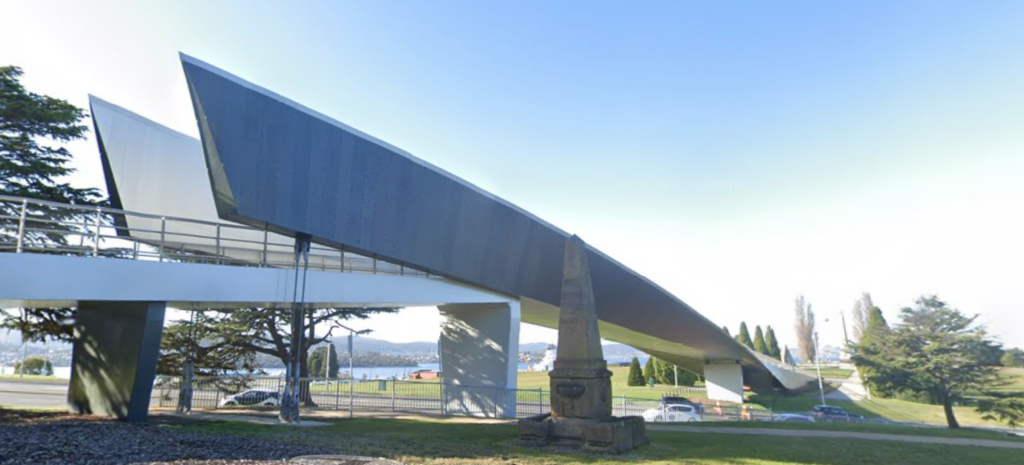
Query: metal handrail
{"points": [[222, 245]]}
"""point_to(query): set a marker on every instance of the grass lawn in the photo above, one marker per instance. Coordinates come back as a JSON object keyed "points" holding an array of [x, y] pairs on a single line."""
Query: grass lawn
{"points": [[833, 373], [48, 379], [869, 428], [1016, 378], [876, 408], [450, 442], [540, 379]]}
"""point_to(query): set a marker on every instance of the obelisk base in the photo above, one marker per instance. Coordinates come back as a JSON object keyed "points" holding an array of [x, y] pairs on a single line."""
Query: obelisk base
{"points": [[581, 392], [610, 435]]}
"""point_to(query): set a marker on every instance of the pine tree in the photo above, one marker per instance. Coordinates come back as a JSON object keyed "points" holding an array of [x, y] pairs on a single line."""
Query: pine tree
{"points": [[871, 341], [937, 351], [687, 377], [726, 329], [650, 370], [744, 336], [315, 361], [759, 345], [636, 376], [33, 128], [330, 368], [773, 344], [666, 373]]}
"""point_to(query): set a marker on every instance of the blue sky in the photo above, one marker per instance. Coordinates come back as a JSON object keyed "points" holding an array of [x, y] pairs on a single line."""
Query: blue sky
{"points": [[736, 153]]}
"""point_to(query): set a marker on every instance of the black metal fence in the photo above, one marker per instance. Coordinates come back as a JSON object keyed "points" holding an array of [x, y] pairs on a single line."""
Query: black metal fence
{"points": [[408, 396]]}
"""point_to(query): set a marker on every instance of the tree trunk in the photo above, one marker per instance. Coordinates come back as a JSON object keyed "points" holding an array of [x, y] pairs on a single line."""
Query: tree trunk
{"points": [[306, 395], [947, 406]]}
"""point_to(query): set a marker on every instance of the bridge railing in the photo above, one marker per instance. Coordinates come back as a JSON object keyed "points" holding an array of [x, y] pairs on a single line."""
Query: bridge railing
{"points": [[37, 226]]}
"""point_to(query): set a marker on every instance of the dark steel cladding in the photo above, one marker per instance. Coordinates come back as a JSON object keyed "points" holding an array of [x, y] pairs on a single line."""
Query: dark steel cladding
{"points": [[278, 164]]}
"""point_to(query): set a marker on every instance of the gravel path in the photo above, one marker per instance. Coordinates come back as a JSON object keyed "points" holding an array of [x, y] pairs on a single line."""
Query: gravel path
{"points": [[57, 438], [842, 434]]}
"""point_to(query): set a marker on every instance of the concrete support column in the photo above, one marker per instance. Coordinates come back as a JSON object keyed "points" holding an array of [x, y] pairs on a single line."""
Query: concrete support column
{"points": [[114, 358], [480, 358], [724, 381]]}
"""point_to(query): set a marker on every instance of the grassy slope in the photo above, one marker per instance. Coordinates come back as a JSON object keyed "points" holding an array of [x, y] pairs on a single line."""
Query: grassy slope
{"points": [[890, 408], [447, 442]]}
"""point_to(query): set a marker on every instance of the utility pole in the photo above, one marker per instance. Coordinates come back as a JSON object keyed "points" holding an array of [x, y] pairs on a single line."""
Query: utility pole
{"points": [[351, 373], [846, 338], [817, 363]]}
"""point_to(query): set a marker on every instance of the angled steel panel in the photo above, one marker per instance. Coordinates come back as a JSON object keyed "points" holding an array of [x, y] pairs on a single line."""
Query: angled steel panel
{"points": [[301, 171]]}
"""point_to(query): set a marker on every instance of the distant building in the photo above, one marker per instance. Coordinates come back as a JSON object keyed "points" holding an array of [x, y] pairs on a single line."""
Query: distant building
{"points": [[425, 374]]}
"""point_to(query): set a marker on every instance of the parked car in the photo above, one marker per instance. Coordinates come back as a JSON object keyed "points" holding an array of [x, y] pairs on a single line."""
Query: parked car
{"points": [[793, 417], [253, 397], [830, 413], [672, 413]]}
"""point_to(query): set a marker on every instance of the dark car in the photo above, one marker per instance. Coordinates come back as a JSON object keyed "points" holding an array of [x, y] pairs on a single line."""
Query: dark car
{"points": [[253, 397], [830, 413], [679, 400]]}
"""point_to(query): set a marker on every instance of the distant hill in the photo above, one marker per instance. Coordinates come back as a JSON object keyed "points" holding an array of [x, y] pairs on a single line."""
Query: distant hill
{"points": [[369, 344], [613, 350]]}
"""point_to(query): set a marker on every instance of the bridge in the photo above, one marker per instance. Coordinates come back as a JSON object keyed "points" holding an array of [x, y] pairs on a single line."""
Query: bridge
{"points": [[215, 222]]}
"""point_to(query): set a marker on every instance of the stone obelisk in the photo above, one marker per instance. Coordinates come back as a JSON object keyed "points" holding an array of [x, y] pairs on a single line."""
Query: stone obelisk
{"points": [[581, 385], [581, 388]]}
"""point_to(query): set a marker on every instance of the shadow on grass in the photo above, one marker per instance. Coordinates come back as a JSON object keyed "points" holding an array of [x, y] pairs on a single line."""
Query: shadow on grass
{"points": [[449, 442]]}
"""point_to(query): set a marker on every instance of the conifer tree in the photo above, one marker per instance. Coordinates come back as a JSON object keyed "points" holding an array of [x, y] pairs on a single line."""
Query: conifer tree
{"points": [[330, 368], [759, 345], [744, 336], [650, 370], [636, 376], [33, 163], [773, 344], [666, 374]]}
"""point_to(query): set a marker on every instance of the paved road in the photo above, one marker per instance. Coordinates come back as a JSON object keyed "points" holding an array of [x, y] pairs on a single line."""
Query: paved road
{"points": [[842, 434], [32, 393]]}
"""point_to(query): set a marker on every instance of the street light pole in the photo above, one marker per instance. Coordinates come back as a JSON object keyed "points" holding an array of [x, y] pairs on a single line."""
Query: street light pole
{"points": [[351, 373]]}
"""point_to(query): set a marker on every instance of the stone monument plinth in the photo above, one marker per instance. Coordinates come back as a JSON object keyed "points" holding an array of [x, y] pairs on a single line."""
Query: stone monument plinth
{"points": [[581, 385]]}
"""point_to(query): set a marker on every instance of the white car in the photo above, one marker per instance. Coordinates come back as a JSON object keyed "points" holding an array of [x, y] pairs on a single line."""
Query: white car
{"points": [[253, 397], [794, 417], [672, 413]]}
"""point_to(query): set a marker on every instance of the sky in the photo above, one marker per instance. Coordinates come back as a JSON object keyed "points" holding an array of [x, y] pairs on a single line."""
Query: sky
{"points": [[738, 154]]}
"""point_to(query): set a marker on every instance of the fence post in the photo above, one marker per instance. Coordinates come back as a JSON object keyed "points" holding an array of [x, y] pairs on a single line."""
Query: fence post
{"points": [[540, 401], [163, 235], [96, 244], [394, 387], [21, 225], [441, 389], [495, 402]]}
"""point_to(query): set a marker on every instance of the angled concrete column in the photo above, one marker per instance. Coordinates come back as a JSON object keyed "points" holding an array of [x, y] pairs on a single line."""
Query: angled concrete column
{"points": [[724, 381], [480, 358], [114, 359]]}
